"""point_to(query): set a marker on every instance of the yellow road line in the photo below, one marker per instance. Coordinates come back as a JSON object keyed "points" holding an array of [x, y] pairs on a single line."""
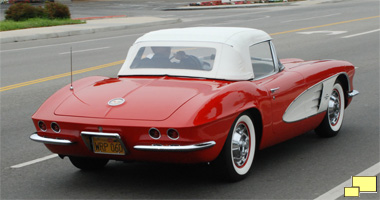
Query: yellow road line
{"points": [[332, 24], [10, 87]]}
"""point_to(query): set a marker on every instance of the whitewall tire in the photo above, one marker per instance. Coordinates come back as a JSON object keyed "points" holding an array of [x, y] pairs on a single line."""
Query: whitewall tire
{"points": [[333, 120], [239, 149]]}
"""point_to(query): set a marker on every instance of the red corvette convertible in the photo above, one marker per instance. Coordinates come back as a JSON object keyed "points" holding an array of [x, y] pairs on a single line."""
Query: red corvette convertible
{"points": [[192, 95]]}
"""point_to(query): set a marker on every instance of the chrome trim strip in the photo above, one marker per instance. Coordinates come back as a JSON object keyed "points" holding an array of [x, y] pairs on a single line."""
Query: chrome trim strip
{"points": [[276, 61], [192, 147], [353, 93], [87, 133], [45, 140]]}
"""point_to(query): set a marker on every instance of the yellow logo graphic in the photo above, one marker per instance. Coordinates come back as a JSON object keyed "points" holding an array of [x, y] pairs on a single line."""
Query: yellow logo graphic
{"points": [[361, 184]]}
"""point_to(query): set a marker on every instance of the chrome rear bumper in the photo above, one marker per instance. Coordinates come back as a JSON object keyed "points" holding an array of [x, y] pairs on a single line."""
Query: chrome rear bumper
{"points": [[45, 140], [192, 147], [184, 148]]}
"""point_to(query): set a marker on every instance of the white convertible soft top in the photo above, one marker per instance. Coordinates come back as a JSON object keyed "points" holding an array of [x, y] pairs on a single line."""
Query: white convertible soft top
{"points": [[232, 59]]}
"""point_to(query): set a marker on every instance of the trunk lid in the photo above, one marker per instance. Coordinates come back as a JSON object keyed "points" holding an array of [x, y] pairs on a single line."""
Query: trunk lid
{"points": [[145, 98]]}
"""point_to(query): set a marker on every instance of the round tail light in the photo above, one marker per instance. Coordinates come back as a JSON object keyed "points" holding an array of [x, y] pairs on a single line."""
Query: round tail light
{"points": [[42, 126], [173, 134], [55, 127], [154, 133]]}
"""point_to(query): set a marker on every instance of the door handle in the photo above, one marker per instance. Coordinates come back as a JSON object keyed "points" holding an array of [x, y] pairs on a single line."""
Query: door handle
{"points": [[273, 90]]}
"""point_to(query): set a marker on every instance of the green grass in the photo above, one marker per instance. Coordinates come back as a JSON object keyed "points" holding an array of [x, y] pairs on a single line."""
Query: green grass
{"points": [[8, 25]]}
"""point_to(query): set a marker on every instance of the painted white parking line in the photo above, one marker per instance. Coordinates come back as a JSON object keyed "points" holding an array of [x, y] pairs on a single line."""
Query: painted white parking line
{"points": [[80, 51], [237, 21], [70, 43], [294, 20], [338, 191], [34, 161], [359, 34]]}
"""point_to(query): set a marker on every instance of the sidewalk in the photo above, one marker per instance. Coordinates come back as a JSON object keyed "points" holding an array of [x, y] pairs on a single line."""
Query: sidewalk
{"points": [[92, 26]]}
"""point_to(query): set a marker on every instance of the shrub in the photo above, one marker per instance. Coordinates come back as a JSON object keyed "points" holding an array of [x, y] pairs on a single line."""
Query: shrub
{"points": [[23, 11], [57, 10]]}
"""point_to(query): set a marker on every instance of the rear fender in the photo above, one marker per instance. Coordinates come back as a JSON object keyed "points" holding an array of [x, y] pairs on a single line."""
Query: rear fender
{"points": [[232, 100]]}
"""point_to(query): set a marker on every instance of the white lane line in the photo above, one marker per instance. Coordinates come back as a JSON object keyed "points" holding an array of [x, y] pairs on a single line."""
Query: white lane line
{"points": [[220, 17], [69, 43], [294, 20], [34, 161], [338, 191], [359, 34], [85, 50], [237, 21]]}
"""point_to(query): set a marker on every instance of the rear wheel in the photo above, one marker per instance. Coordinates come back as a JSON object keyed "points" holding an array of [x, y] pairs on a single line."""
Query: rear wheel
{"points": [[238, 152], [85, 163], [333, 120]]}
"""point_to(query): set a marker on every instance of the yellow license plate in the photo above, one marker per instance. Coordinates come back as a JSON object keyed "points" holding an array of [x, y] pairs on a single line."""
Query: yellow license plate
{"points": [[106, 145]]}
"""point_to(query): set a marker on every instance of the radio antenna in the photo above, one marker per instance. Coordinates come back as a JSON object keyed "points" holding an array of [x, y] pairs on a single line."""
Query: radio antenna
{"points": [[71, 68]]}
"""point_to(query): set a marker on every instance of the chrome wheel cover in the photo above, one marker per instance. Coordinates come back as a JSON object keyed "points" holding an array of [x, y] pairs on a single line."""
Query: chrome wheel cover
{"points": [[240, 147], [334, 108]]}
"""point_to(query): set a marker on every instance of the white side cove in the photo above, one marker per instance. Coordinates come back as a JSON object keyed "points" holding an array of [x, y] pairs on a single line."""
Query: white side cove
{"points": [[311, 102]]}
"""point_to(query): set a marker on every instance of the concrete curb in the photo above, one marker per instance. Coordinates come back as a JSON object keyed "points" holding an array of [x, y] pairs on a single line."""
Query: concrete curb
{"points": [[227, 6], [92, 26], [103, 17]]}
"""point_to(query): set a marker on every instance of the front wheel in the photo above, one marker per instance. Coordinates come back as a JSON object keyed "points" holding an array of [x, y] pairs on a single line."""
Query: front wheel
{"points": [[238, 152], [333, 120], [85, 163]]}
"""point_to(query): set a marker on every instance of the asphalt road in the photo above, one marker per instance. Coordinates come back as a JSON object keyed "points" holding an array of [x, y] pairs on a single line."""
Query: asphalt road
{"points": [[302, 168]]}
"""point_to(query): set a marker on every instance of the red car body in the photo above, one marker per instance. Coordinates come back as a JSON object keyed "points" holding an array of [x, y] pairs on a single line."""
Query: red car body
{"points": [[201, 110]]}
